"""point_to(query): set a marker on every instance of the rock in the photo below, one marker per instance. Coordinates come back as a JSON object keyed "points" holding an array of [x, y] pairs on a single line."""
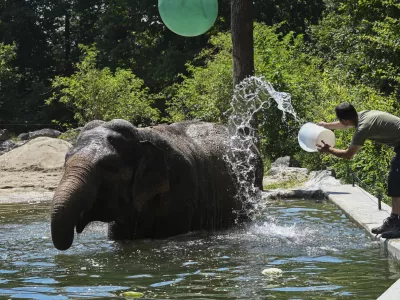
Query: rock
{"points": [[284, 162], [4, 135], [24, 136], [293, 194], [312, 189], [281, 162], [280, 174], [319, 178], [39, 154], [7, 146], [46, 132], [51, 133], [10, 145]]}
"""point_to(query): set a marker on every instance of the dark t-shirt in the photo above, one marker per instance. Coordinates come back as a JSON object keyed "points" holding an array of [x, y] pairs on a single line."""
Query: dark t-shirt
{"points": [[377, 126]]}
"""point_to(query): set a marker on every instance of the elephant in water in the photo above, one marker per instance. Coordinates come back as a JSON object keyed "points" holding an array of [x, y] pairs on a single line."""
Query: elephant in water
{"points": [[152, 182]]}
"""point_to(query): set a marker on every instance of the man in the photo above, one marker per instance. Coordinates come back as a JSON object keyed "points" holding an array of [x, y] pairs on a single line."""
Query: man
{"points": [[380, 127]]}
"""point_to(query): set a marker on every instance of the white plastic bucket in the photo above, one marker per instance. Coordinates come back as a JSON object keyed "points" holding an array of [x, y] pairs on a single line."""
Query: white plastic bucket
{"points": [[311, 134]]}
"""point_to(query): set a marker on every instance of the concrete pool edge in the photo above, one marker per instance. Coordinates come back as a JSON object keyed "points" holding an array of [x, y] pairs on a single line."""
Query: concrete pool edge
{"points": [[362, 207], [357, 204]]}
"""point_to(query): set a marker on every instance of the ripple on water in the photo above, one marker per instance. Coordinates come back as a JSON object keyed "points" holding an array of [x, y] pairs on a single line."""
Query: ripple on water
{"points": [[317, 253]]}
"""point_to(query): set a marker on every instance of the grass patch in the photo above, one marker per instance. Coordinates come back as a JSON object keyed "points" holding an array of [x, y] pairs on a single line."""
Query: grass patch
{"points": [[284, 184]]}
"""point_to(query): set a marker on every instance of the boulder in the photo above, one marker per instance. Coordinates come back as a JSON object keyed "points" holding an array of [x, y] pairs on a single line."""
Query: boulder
{"points": [[24, 136], [280, 175], [42, 153], [6, 146], [4, 135], [284, 162], [312, 189], [46, 132]]}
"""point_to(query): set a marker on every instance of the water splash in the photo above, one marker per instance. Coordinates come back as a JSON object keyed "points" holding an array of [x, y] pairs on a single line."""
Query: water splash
{"points": [[250, 97]]}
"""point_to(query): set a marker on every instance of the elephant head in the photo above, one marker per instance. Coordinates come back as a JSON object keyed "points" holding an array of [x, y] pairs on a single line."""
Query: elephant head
{"points": [[110, 172]]}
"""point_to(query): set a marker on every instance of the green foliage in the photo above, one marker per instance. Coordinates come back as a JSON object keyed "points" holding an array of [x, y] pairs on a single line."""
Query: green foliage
{"points": [[205, 94], [8, 75], [361, 37], [7, 54], [102, 95], [70, 135]]}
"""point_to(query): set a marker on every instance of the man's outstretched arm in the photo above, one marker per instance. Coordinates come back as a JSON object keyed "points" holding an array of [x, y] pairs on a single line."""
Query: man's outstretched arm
{"points": [[346, 154], [333, 125]]}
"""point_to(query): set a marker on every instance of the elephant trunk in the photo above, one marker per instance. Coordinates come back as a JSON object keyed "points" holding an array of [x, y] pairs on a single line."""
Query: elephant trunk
{"points": [[72, 197]]}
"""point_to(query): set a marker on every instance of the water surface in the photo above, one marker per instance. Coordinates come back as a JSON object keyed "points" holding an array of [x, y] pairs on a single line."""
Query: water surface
{"points": [[321, 253]]}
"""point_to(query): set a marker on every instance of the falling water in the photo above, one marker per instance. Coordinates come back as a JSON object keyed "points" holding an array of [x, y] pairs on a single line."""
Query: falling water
{"points": [[252, 95]]}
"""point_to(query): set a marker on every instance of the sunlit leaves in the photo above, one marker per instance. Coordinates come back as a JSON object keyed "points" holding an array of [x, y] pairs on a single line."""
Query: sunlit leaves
{"points": [[104, 95]]}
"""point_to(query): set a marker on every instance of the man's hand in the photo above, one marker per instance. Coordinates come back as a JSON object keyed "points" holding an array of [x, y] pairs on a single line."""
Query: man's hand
{"points": [[323, 124], [324, 148]]}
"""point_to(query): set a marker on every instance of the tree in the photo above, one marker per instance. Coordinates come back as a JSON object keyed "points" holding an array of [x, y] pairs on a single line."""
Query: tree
{"points": [[8, 77], [242, 39], [95, 94]]}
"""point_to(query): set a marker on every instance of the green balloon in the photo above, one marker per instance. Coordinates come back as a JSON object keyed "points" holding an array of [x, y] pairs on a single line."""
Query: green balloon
{"points": [[188, 17]]}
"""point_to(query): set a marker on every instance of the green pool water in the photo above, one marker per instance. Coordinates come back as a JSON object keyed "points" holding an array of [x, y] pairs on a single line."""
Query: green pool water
{"points": [[321, 253]]}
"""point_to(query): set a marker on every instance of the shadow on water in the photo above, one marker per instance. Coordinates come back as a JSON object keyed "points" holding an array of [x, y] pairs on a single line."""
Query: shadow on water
{"points": [[321, 253]]}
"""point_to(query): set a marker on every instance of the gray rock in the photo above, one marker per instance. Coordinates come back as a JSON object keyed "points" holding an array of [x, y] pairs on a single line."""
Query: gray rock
{"points": [[312, 189], [4, 135], [7, 146], [284, 162], [280, 174], [281, 162], [293, 194], [24, 136], [52, 133], [10, 145]]}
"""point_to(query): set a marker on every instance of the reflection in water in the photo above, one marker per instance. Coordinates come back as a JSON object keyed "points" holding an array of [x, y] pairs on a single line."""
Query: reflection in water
{"points": [[313, 243]]}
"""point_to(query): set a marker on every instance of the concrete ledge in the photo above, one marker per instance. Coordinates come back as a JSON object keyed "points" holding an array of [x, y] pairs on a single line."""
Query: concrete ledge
{"points": [[393, 293]]}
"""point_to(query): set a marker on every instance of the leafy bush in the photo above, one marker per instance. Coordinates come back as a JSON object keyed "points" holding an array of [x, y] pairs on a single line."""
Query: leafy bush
{"points": [[8, 77], [206, 92], [362, 38], [7, 54], [103, 95]]}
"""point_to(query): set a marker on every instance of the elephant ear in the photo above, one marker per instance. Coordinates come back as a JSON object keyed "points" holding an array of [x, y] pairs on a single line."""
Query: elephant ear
{"points": [[151, 177]]}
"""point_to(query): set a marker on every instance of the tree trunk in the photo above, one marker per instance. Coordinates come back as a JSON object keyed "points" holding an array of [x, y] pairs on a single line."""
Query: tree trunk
{"points": [[242, 39]]}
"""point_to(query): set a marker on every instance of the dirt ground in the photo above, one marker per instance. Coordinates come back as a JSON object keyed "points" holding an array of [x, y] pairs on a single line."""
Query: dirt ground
{"points": [[31, 172]]}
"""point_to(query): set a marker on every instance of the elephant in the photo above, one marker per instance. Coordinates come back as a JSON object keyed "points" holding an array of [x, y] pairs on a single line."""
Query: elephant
{"points": [[149, 182]]}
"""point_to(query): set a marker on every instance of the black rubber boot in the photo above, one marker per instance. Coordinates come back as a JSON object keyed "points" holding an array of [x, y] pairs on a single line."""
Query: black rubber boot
{"points": [[393, 234], [389, 224]]}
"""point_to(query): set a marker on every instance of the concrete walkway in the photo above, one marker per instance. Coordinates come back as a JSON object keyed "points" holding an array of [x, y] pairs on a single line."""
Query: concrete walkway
{"points": [[362, 207]]}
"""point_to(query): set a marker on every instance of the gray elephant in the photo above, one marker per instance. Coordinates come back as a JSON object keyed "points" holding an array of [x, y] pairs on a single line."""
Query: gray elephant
{"points": [[152, 182]]}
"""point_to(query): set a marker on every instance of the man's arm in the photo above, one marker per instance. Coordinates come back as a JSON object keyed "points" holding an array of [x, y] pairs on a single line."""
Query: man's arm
{"points": [[333, 125], [346, 154]]}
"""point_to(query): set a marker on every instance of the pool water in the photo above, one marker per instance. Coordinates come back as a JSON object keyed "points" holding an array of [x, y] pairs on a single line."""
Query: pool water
{"points": [[321, 253]]}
